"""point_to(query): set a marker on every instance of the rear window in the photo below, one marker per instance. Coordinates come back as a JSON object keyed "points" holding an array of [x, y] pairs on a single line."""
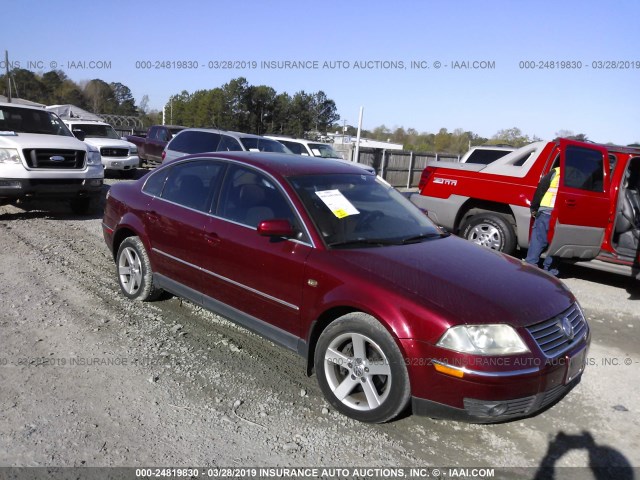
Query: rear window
{"points": [[195, 142], [485, 157]]}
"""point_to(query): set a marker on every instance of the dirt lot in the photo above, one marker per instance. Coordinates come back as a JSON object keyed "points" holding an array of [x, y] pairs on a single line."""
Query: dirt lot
{"points": [[88, 378]]}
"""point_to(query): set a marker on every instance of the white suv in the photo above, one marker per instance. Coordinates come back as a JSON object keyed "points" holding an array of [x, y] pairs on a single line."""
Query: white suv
{"points": [[310, 148], [117, 154]]}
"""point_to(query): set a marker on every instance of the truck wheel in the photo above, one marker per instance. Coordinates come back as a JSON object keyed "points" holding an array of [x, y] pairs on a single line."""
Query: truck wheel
{"points": [[134, 271], [360, 369], [490, 230]]}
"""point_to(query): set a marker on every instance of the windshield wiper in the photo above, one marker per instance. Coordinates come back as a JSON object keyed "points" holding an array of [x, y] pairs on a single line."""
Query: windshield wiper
{"points": [[423, 236], [379, 242]]}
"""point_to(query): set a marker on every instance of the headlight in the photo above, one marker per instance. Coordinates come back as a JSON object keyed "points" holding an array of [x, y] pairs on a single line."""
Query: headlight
{"points": [[93, 156], [133, 150], [496, 339], [9, 155]]}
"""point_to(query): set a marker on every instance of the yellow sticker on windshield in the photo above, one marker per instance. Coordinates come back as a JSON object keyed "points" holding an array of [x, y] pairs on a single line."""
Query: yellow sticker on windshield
{"points": [[337, 203]]}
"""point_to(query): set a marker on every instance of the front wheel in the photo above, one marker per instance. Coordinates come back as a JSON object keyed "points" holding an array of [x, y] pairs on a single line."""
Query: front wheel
{"points": [[490, 230], [134, 271], [360, 369]]}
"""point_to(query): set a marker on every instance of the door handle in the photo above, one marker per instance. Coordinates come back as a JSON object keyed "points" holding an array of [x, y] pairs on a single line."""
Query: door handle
{"points": [[570, 202], [212, 238]]}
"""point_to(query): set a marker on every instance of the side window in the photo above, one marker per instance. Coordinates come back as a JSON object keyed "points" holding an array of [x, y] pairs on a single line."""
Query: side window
{"points": [[195, 142], [153, 133], [229, 144], [583, 169], [296, 148], [155, 182], [248, 197], [191, 184]]}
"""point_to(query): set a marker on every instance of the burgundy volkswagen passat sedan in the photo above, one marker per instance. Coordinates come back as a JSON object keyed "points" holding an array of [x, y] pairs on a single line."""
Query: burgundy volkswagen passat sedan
{"points": [[325, 259]]}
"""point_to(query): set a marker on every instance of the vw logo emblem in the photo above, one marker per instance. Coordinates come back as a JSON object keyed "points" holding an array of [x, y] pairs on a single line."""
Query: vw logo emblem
{"points": [[56, 158], [567, 328]]}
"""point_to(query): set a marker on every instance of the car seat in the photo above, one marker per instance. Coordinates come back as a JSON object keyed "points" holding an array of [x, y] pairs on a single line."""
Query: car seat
{"points": [[253, 207], [628, 217]]}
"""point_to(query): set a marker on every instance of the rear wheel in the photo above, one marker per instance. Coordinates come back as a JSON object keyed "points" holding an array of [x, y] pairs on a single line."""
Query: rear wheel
{"points": [[134, 271], [490, 230], [360, 369]]}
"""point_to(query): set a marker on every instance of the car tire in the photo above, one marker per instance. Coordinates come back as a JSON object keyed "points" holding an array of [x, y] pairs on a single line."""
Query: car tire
{"points": [[490, 230], [134, 273], [360, 369]]}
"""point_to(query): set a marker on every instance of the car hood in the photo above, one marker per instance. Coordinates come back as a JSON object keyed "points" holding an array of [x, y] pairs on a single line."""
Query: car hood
{"points": [[464, 282], [38, 140], [108, 142]]}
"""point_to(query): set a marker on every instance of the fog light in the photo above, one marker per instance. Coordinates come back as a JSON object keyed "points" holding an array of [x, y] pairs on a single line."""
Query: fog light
{"points": [[94, 182], [10, 184], [497, 410]]}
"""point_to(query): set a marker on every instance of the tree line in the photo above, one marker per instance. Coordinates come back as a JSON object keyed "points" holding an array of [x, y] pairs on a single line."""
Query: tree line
{"points": [[238, 105]]}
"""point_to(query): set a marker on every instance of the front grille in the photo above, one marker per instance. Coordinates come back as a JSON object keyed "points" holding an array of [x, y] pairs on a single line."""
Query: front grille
{"points": [[515, 407], [552, 338], [54, 158], [114, 152], [482, 408]]}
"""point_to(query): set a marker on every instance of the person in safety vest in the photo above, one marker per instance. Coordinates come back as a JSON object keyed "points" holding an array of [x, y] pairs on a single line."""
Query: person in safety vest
{"points": [[541, 207]]}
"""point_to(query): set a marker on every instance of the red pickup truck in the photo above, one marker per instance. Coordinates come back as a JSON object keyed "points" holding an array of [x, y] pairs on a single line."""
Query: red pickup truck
{"points": [[151, 145], [597, 216]]}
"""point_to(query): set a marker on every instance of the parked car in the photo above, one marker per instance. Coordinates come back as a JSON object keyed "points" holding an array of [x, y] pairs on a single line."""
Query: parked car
{"points": [[40, 158], [485, 154], [151, 145], [301, 146], [200, 140], [326, 260], [596, 220], [117, 154]]}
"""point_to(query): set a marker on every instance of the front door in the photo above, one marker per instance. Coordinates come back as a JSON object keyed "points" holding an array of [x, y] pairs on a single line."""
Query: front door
{"points": [[582, 208]]}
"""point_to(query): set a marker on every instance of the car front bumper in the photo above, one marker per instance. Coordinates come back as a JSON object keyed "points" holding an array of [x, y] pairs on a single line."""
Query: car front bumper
{"points": [[518, 387], [121, 163], [18, 188]]}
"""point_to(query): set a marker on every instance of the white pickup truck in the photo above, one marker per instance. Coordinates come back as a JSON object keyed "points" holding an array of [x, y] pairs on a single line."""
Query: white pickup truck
{"points": [[117, 154], [40, 157]]}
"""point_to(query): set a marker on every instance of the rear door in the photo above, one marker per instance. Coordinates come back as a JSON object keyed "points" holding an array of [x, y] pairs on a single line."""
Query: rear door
{"points": [[582, 209]]}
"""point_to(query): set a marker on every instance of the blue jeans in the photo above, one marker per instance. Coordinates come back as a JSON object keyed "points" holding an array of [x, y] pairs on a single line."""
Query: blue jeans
{"points": [[538, 241]]}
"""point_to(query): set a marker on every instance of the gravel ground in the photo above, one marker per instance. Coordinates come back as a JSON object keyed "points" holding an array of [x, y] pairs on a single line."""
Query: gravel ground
{"points": [[88, 378]]}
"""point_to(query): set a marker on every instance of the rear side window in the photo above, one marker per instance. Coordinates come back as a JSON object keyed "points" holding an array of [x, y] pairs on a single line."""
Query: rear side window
{"points": [[583, 169], [296, 148], [155, 183], [229, 144], [195, 142], [191, 184]]}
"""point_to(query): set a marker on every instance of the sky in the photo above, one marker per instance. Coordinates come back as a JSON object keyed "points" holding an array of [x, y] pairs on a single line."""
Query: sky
{"points": [[482, 66]]}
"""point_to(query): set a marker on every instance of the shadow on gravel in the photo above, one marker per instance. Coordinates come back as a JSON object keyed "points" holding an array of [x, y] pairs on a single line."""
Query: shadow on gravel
{"points": [[592, 275], [605, 462], [53, 209]]}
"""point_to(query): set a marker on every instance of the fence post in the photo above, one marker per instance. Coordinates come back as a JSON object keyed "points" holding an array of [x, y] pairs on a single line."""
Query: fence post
{"points": [[437, 159], [411, 163], [383, 163]]}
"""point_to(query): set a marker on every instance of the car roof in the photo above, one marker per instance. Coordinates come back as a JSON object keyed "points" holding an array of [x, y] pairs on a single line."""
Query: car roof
{"points": [[283, 164], [22, 105], [296, 140], [225, 132]]}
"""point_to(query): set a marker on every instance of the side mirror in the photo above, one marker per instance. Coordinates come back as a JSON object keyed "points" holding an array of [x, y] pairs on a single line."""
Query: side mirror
{"points": [[276, 228], [79, 134]]}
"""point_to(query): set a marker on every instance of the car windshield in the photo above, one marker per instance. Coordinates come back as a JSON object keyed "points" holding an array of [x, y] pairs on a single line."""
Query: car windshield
{"points": [[353, 211], [27, 120], [96, 130], [263, 145], [323, 150]]}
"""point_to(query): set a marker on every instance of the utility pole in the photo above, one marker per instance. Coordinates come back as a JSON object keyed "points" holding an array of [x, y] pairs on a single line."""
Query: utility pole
{"points": [[6, 64]]}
